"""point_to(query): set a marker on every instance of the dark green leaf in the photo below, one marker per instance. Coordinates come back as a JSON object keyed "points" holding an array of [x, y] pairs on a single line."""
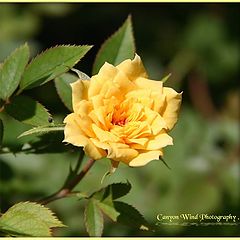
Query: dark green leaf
{"points": [[106, 195], [50, 64], [27, 110], [108, 208], [49, 143], [120, 46], [130, 216], [64, 90], [116, 190], [43, 130], [93, 219], [11, 71], [29, 219], [1, 132]]}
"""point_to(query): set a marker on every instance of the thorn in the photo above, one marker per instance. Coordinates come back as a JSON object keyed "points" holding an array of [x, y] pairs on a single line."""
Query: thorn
{"points": [[165, 163]]}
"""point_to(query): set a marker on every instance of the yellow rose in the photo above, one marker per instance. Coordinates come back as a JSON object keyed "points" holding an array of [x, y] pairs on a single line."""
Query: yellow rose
{"points": [[122, 115]]}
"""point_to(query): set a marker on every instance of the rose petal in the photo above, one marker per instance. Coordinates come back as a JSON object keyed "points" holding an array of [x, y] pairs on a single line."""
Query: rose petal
{"points": [[104, 136], [133, 68], [145, 83], [74, 135], [121, 152], [172, 106], [79, 92], [160, 141], [154, 119], [106, 74], [144, 158], [117, 151]]}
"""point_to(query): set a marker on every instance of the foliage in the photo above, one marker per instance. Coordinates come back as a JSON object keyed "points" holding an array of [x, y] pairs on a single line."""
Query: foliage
{"points": [[118, 47], [12, 70], [28, 219], [204, 158]]}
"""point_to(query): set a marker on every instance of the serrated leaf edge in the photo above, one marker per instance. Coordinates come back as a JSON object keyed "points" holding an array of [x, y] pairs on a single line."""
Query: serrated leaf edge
{"points": [[11, 54], [57, 90], [49, 49], [49, 114], [52, 214], [142, 227], [49, 128], [85, 217], [102, 188]]}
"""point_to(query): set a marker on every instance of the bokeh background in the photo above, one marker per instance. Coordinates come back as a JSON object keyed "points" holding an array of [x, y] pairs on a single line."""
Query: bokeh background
{"points": [[199, 45]]}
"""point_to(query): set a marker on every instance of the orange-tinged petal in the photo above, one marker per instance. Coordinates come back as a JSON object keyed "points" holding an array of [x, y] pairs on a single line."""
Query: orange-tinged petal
{"points": [[104, 136], [140, 141], [123, 115], [156, 122], [122, 81]]}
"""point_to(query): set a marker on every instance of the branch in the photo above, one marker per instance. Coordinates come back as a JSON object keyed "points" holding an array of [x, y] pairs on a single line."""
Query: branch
{"points": [[66, 190]]}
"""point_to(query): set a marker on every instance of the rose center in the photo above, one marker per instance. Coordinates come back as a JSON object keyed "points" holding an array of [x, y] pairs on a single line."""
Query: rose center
{"points": [[119, 122]]}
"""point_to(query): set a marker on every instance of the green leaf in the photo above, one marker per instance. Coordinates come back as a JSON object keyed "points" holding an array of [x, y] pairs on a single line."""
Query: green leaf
{"points": [[43, 130], [64, 90], [49, 143], [107, 207], [11, 71], [27, 110], [116, 190], [1, 132], [93, 219], [63, 87], [120, 46], [105, 197], [50, 64], [130, 216], [29, 219]]}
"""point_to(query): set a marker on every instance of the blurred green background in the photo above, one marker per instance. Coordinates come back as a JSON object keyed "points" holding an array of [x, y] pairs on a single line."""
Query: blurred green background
{"points": [[199, 45]]}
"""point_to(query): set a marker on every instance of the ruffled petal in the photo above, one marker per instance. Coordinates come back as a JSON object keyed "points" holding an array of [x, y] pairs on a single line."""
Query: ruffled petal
{"points": [[74, 135], [133, 68], [105, 136], [118, 152]]}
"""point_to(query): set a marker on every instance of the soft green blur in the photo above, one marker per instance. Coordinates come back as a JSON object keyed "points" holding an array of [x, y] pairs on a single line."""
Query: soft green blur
{"points": [[199, 45]]}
